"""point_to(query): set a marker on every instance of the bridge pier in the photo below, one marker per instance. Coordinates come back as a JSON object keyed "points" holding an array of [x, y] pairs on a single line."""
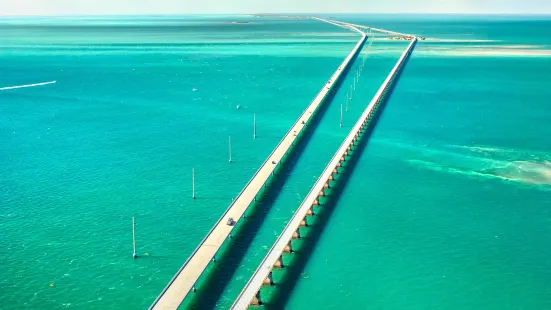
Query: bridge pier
{"points": [[288, 248], [256, 299], [269, 281], [279, 262], [296, 234]]}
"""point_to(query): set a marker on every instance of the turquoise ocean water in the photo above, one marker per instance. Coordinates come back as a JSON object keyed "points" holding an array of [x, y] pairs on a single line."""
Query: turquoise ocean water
{"points": [[447, 207]]}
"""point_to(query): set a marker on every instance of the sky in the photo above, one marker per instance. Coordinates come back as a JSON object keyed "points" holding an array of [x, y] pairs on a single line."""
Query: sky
{"points": [[123, 7]]}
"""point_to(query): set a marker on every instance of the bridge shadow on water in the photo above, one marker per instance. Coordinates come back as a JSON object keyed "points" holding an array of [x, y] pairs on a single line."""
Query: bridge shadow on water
{"points": [[292, 272], [219, 277]]}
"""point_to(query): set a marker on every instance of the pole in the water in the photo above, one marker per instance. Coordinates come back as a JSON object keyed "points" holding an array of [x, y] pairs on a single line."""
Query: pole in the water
{"points": [[254, 125], [341, 114], [134, 238], [347, 104], [193, 183], [350, 92], [229, 142]]}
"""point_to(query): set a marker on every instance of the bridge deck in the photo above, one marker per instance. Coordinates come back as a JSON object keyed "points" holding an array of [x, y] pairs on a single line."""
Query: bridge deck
{"points": [[367, 27], [253, 286], [183, 282]]}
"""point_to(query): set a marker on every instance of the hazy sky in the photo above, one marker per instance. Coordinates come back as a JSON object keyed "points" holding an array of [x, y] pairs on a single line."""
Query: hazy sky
{"points": [[63, 7]]}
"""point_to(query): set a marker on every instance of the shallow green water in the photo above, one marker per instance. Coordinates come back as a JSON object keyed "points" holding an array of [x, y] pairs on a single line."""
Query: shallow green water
{"points": [[448, 205]]}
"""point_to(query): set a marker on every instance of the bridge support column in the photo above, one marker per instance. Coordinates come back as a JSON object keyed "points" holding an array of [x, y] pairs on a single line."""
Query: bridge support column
{"points": [[296, 234], [310, 212], [269, 280], [304, 223], [288, 248], [321, 194], [279, 263], [256, 299], [316, 202], [326, 185]]}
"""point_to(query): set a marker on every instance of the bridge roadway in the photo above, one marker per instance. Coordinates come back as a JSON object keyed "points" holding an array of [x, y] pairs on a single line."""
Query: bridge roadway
{"points": [[334, 22], [186, 277], [251, 292]]}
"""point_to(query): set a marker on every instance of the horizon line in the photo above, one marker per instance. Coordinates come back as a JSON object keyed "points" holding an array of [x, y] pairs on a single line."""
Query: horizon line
{"points": [[278, 14]]}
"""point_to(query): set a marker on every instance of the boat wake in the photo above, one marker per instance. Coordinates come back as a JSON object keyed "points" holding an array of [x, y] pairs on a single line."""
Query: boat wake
{"points": [[27, 85]]}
